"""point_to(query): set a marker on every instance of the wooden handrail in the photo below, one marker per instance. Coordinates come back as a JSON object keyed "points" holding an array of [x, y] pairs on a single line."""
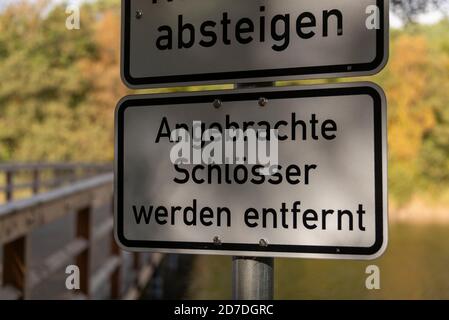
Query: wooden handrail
{"points": [[38, 177], [46, 207], [82, 198], [14, 167]]}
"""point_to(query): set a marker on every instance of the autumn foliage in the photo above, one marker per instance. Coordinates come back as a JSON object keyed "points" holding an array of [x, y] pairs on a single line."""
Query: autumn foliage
{"points": [[59, 88]]}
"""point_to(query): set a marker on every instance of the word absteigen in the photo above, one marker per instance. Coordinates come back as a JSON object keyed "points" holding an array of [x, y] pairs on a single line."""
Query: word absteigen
{"points": [[226, 29]]}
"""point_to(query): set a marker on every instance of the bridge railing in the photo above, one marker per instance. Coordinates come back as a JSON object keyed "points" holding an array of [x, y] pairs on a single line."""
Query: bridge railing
{"points": [[32, 178], [86, 201]]}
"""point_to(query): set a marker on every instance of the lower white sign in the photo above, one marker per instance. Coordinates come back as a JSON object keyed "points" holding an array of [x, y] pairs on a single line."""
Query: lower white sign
{"points": [[288, 172]]}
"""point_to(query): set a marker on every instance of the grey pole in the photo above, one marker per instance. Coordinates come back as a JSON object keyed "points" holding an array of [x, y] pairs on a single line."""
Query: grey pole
{"points": [[252, 277]]}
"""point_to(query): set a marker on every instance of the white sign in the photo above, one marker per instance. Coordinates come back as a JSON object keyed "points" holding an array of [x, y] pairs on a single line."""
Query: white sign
{"points": [[185, 184], [209, 41]]}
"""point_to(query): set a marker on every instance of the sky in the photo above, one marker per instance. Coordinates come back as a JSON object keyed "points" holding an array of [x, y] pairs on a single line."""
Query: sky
{"points": [[5, 3]]}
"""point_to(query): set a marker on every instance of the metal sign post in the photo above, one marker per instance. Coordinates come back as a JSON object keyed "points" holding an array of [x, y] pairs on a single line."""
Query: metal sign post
{"points": [[253, 277]]}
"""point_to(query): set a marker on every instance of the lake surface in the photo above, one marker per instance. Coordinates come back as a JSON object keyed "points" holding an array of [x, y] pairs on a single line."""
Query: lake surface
{"points": [[415, 266]]}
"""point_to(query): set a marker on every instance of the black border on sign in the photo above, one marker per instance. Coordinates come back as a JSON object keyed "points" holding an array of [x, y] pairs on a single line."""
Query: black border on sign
{"points": [[135, 101], [267, 73]]}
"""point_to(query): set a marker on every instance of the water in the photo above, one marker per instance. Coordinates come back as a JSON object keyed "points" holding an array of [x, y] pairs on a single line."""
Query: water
{"points": [[415, 266]]}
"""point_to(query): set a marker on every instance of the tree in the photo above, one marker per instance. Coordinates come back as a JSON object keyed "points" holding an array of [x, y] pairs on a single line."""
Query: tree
{"points": [[58, 87], [409, 9]]}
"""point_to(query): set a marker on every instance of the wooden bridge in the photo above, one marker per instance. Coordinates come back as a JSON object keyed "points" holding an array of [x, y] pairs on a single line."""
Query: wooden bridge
{"points": [[55, 215]]}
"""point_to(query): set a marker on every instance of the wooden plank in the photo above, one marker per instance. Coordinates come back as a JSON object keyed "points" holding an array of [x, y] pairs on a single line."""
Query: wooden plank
{"points": [[143, 277], [132, 294], [104, 229], [36, 181], [85, 186], [156, 258], [17, 218], [71, 295], [116, 277], [56, 261], [16, 186], [53, 166], [9, 183], [103, 274], [136, 260], [147, 272], [10, 293], [50, 183], [83, 230], [15, 259]]}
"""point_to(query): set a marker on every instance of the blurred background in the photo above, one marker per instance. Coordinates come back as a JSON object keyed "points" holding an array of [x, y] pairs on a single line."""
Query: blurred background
{"points": [[58, 91]]}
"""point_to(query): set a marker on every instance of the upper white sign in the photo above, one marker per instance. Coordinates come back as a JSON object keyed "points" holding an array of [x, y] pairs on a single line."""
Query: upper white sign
{"points": [[176, 42], [191, 172]]}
